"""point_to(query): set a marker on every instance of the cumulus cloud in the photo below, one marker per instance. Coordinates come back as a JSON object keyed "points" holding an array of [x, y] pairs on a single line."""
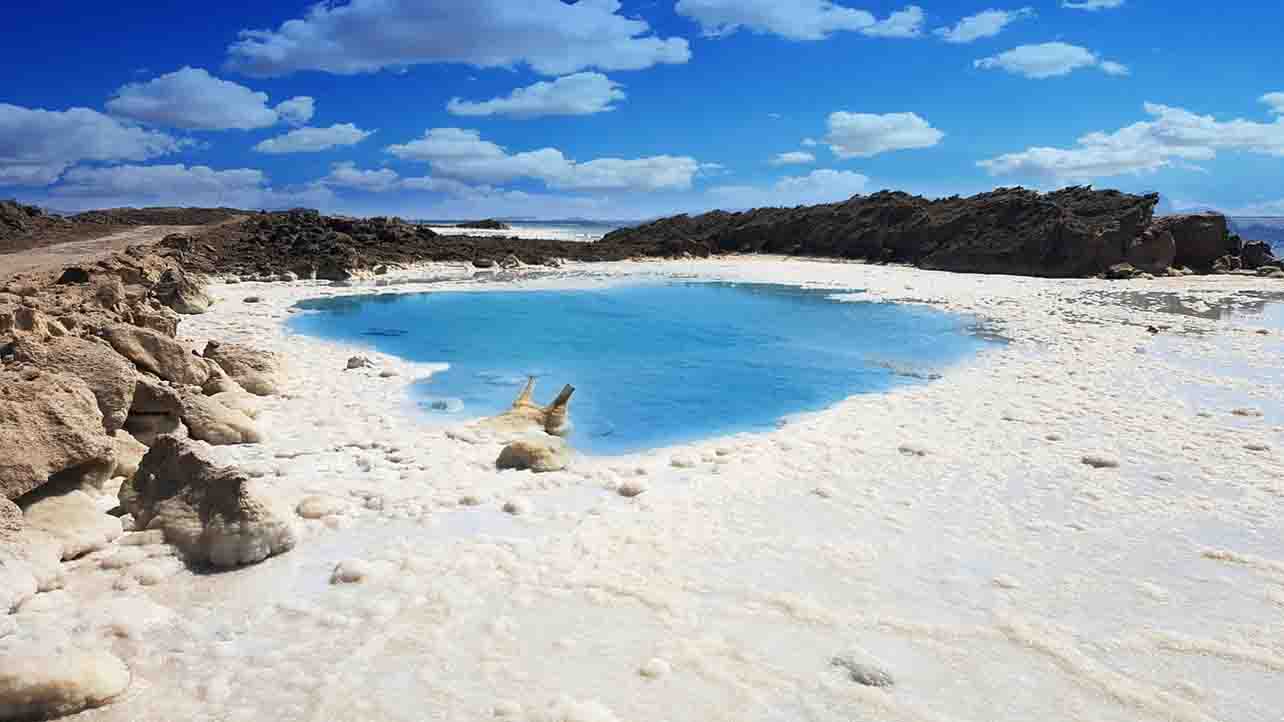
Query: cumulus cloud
{"points": [[347, 175], [1275, 101], [819, 186], [361, 36], [864, 135], [37, 145], [579, 94], [177, 184], [314, 140], [1172, 137], [797, 20], [464, 155], [985, 24], [1092, 5], [296, 111], [192, 99], [795, 158], [1049, 60]]}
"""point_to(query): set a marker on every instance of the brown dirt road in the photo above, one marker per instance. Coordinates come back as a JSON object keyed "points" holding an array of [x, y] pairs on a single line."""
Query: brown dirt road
{"points": [[51, 258]]}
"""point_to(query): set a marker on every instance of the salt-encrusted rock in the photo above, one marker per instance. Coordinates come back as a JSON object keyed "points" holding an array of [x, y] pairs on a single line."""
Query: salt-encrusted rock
{"points": [[1099, 461], [148, 427], [359, 362], [535, 454], [863, 673], [210, 421], [351, 571], [159, 355], [211, 513], [50, 426], [258, 372], [129, 454], [239, 400], [37, 684], [631, 488], [179, 291], [109, 376], [319, 507], [10, 520], [73, 519], [1122, 272]]}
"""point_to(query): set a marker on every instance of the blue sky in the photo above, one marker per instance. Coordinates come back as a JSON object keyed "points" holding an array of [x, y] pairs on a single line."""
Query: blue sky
{"points": [[608, 109]]}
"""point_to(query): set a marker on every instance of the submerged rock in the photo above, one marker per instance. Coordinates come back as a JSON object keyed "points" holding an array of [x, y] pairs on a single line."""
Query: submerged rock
{"points": [[212, 514], [526, 415], [45, 685]]}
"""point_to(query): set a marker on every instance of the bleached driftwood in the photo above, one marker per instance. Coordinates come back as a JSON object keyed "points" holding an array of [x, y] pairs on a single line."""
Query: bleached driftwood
{"points": [[526, 415]]}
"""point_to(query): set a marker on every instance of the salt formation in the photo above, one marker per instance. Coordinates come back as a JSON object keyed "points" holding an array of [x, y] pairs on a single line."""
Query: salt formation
{"points": [[43, 685], [211, 513], [526, 415]]}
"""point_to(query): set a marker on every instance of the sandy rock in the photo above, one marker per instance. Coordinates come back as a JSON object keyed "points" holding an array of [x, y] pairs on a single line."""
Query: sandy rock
{"points": [[146, 428], [177, 290], [109, 376], [27, 321], [211, 513], [42, 685], [129, 454], [258, 372], [1099, 461], [73, 519], [50, 425], [535, 454], [632, 488], [158, 318], [210, 421], [526, 416], [159, 355], [239, 400]]}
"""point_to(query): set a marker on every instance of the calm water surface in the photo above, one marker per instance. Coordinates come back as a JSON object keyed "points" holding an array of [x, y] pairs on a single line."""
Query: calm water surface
{"points": [[652, 364]]}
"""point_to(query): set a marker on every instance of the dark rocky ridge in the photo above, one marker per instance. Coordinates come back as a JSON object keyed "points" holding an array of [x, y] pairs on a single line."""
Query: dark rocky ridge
{"points": [[23, 227], [1072, 232]]}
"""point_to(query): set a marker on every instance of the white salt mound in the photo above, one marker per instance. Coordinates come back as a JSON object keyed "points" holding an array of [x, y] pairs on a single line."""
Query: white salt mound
{"points": [[41, 686]]}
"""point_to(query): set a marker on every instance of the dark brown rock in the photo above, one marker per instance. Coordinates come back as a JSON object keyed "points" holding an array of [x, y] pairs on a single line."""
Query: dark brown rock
{"points": [[1201, 238]]}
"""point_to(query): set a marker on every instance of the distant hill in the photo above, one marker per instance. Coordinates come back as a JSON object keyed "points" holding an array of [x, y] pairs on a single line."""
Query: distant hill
{"points": [[1270, 230]]}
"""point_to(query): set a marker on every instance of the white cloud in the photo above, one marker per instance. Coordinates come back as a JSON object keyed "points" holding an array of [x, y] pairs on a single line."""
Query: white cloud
{"points": [[864, 135], [192, 99], [135, 185], [347, 175], [1048, 60], [464, 155], [985, 24], [907, 23], [1173, 137], [810, 142], [361, 36], [795, 158], [819, 186], [796, 20], [37, 145], [313, 140], [296, 111], [579, 94], [1092, 5], [1275, 101]]}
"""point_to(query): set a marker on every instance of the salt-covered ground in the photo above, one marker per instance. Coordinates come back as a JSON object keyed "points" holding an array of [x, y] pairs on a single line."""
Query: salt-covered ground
{"points": [[949, 534]]}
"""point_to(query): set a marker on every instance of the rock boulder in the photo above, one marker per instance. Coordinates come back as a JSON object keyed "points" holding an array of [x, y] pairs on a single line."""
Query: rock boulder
{"points": [[258, 372], [177, 290], [50, 426], [158, 354], [1200, 238], [109, 375], [213, 514]]}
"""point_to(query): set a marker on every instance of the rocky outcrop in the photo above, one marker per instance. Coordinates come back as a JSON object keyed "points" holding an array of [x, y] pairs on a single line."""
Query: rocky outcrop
{"points": [[1258, 254], [213, 514], [1072, 232], [159, 354], [178, 291], [1200, 238], [258, 372], [129, 454], [50, 428], [1153, 252], [109, 376], [489, 224]]}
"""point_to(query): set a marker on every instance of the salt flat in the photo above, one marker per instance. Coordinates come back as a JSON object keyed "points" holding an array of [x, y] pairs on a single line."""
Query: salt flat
{"points": [[950, 534]]}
